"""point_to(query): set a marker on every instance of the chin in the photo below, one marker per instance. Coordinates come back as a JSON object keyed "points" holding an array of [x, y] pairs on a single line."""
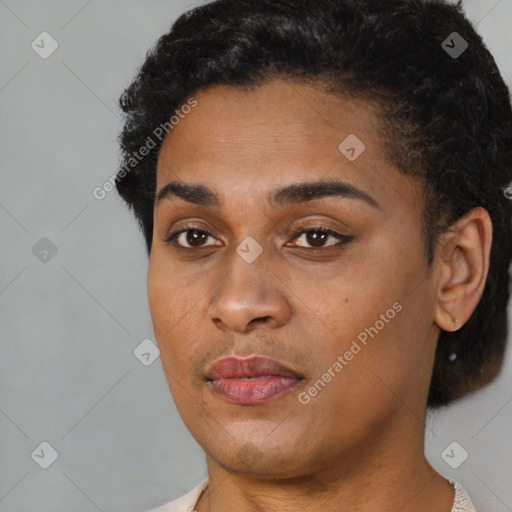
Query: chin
{"points": [[255, 456]]}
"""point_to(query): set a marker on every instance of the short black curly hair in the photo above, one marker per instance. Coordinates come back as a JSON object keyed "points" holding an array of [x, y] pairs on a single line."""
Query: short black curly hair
{"points": [[446, 119]]}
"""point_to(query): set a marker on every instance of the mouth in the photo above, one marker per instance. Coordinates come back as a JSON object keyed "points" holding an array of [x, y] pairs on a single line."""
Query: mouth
{"points": [[250, 381]]}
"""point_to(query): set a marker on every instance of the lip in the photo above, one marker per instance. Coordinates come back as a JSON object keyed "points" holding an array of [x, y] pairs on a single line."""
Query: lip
{"points": [[250, 381]]}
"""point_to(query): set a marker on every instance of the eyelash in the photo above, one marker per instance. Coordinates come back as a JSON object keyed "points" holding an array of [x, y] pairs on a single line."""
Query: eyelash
{"points": [[299, 230]]}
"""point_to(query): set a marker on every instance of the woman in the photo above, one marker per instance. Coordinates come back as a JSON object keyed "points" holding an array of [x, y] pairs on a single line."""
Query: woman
{"points": [[321, 190]]}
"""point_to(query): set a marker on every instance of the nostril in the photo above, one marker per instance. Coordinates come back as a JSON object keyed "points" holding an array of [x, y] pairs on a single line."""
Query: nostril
{"points": [[261, 319]]}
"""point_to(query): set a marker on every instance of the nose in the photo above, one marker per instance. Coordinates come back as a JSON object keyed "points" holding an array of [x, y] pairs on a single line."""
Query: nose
{"points": [[250, 296]]}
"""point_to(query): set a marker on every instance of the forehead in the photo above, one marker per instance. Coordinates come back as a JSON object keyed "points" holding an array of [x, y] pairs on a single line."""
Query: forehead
{"points": [[278, 116], [276, 133]]}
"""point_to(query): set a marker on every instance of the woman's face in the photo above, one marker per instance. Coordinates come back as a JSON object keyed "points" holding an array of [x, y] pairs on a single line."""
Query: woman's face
{"points": [[346, 316]]}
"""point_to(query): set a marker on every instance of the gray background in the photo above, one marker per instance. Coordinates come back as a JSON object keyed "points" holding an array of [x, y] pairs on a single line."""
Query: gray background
{"points": [[70, 324]]}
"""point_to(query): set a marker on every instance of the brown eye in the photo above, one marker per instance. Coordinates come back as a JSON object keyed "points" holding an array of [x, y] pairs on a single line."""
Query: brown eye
{"points": [[189, 238], [317, 237]]}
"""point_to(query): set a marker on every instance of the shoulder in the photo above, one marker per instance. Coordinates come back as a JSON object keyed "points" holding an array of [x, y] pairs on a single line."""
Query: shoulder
{"points": [[185, 503]]}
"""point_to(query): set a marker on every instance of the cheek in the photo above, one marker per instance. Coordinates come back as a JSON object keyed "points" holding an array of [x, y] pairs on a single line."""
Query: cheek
{"points": [[369, 318], [177, 314], [350, 303], [168, 296], [368, 383]]}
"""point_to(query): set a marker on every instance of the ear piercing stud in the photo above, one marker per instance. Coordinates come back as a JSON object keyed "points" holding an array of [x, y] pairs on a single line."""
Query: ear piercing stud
{"points": [[453, 355]]}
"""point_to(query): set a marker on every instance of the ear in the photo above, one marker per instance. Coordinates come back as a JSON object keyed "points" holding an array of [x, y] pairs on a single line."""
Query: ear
{"points": [[463, 255]]}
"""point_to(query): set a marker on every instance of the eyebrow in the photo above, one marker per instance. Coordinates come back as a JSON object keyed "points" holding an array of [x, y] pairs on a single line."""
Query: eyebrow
{"points": [[285, 196]]}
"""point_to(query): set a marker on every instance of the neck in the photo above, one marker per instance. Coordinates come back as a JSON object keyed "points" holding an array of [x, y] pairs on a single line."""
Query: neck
{"points": [[387, 474]]}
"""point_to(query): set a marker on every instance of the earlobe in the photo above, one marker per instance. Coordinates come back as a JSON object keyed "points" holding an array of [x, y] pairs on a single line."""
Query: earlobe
{"points": [[463, 255]]}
